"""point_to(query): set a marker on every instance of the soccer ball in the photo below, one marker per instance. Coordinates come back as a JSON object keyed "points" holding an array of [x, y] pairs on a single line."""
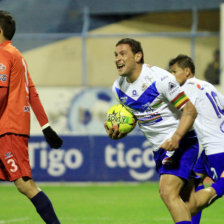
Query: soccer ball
{"points": [[119, 118]]}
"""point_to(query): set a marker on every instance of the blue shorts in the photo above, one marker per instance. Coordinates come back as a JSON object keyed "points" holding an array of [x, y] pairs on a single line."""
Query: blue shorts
{"points": [[182, 161], [211, 165]]}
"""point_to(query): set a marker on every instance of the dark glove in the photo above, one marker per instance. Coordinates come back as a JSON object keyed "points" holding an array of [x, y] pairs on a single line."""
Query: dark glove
{"points": [[52, 138]]}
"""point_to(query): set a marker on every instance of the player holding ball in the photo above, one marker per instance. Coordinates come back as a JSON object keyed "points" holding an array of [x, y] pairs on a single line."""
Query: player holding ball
{"points": [[165, 115]]}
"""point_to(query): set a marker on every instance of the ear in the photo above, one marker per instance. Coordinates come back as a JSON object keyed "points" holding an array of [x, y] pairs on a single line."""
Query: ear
{"points": [[138, 57], [187, 71]]}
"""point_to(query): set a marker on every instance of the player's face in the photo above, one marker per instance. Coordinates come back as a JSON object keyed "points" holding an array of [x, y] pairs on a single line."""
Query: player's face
{"points": [[179, 73], [125, 60]]}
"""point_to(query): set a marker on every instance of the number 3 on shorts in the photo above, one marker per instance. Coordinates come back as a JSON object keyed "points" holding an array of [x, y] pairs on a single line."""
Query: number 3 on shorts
{"points": [[13, 165]]}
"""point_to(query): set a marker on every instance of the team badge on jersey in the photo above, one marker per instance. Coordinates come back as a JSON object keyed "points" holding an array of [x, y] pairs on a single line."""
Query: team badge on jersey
{"points": [[2, 67], [144, 86], [3, 77]]}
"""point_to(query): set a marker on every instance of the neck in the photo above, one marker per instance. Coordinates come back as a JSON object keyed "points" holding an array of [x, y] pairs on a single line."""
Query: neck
{"points": [[135, 74]]}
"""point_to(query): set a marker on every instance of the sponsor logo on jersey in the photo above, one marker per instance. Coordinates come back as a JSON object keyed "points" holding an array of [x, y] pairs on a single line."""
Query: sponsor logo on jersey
{"points": [[123, 99], [199, 87], [26, 108], [8, 155], [172, 86], [134, 93], [2, 67], [3, 77]]}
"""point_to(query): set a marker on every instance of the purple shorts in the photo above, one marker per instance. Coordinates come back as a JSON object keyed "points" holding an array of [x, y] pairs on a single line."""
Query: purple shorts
{"points": [[211, 165], [182, 162]]}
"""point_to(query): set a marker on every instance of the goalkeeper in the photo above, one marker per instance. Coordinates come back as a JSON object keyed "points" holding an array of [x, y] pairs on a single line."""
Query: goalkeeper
{"points": [[17, 94]]}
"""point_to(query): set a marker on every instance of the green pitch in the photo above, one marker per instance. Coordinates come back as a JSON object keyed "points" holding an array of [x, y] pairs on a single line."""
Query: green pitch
{"points": [[98, 204]]}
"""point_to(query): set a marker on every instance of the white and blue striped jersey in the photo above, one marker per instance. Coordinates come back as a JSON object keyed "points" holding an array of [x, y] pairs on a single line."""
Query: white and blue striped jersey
{"points": [[156, 99], [209, 123]]}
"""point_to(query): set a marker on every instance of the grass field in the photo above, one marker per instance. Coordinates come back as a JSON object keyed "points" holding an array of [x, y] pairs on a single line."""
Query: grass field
{"points": [[98, 204]]}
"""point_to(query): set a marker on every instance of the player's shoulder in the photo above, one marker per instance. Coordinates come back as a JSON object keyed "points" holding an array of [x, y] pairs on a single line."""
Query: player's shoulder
{"points": [[198, 84], [118, 82], [157, 73], [11, 51]]}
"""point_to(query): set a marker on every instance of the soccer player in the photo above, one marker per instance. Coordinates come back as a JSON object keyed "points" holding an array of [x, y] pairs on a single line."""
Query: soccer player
{"points": [[17, 94], [155, 98], [209, 126]]}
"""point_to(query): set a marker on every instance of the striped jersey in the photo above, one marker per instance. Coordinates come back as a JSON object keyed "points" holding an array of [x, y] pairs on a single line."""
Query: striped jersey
{"points": [[209, 123], [156, 99]]}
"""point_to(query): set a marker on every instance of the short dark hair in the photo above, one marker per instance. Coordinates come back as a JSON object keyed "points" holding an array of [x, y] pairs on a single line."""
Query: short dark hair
{"points": [[135, 46], [8, 24], [184, 62]]}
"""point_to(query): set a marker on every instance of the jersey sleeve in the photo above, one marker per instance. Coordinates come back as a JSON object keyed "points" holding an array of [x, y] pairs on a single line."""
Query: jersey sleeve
{"points": [[191, 91], [36, 104], [171, 91], [5, 67], [3, 99]]}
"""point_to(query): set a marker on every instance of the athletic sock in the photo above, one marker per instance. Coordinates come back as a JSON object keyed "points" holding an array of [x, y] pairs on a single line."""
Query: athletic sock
{"points": [[196, 218], [44, 208], [184, 222], [219, 186]]}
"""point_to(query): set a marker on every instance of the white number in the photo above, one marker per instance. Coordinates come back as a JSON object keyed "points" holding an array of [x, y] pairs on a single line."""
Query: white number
{"points": [[13, 164]]}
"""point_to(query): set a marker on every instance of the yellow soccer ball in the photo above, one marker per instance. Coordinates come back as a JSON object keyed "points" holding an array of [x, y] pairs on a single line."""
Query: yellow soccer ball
{"points": [[120, 118]]}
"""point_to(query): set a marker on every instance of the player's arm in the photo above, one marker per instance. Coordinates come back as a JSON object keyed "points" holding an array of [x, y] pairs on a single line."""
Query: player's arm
{"points": [[5, 65], [3, 99], [50, 135], [186, 122], [177, 96]]}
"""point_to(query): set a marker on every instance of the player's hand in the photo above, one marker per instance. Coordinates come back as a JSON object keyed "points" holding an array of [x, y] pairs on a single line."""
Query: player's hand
{"points": [[171, 144], [52, 138], [114, 134]]}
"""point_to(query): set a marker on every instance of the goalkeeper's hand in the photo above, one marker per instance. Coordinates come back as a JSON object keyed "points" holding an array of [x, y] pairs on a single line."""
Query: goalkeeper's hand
{"points": [[52, 138]]}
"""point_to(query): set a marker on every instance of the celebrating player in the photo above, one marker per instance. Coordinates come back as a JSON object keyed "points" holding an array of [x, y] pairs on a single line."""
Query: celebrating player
{"points": [[155, 98], [209, 126], [17, 94]]}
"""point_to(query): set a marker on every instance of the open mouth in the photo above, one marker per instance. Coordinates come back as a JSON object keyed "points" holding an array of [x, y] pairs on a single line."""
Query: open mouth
{"points": [[120, 67]]}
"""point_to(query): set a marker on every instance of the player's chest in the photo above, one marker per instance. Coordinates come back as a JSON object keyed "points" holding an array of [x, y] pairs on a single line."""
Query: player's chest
{"points": [[140, 97]]}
